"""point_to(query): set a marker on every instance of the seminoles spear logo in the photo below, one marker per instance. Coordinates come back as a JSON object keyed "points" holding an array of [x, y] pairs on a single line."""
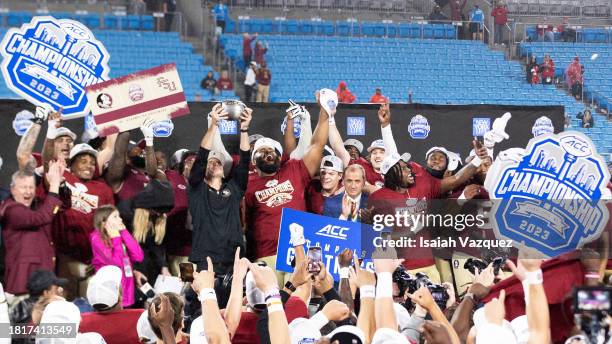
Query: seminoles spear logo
{"points": [[551, 199], [52, 61]]}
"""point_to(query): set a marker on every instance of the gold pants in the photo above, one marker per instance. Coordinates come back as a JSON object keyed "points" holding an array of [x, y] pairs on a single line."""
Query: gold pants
{"points": [[263, 93]]}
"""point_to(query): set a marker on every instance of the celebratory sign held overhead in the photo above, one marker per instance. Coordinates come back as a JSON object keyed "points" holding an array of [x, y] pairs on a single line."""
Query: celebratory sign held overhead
{"points": [[52, 61], [124, 103], [551, 195]]}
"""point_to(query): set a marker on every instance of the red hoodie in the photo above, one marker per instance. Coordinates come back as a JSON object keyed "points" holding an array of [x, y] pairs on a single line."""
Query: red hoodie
{"points": [[344, 95]]}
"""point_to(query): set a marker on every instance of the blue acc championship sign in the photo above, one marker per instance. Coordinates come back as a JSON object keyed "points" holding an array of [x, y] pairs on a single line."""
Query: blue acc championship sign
{"points": [[331, 234], [552, 199], [51, 61]]}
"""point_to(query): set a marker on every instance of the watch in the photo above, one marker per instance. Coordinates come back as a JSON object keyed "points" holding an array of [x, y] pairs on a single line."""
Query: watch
{"points": [[290, 286]]}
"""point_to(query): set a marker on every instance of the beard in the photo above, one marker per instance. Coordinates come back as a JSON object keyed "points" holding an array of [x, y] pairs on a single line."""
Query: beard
{"points": [[435, 173], [138, 161], [266, 167]]}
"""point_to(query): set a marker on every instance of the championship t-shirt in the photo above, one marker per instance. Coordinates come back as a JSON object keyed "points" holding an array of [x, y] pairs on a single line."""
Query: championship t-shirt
{"points": [[74, 223], [134, 181], [178, 236], [265, 199], [372, 177], [413, 201]]}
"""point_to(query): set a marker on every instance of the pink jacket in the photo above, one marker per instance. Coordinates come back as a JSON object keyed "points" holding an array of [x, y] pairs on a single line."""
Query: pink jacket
{"points": [[114, 255]]}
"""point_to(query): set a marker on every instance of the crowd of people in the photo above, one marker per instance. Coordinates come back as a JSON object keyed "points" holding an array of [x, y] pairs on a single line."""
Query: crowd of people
{"points": [[111, 216]]}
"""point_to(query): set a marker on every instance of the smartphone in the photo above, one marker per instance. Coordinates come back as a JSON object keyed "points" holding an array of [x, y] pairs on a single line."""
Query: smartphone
{"points": [[592, 299], [314, 255], [186, 270]]}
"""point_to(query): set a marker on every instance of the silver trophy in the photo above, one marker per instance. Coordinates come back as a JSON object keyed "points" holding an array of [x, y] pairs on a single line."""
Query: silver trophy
{"points": [[233, 108]]}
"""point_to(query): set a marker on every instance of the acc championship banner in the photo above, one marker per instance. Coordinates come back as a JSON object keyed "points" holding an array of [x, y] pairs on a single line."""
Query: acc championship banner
{"points": [[52, 61], [332, 235], [124, 103], [551, 196]]}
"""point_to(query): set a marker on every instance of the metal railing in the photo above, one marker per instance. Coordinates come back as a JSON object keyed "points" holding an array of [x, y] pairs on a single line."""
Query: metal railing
{"points": [[569, 8], [371, 6], [549, 32]]}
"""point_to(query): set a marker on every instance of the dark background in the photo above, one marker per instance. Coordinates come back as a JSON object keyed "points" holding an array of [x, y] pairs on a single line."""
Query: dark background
{"points": [[451, 127]]}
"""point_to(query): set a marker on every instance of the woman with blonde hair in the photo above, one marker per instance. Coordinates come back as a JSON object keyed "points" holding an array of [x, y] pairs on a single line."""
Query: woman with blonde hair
{"points": [[112, 244]]}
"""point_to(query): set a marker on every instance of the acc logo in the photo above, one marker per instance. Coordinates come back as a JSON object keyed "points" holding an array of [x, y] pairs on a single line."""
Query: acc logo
{"points": [[418, 127], [550, 199], [297, 126], [22, 122], [480, 126], [163, 128], [51, 61], [228, 127], [355, 126], [331, 231], [542, 126]]}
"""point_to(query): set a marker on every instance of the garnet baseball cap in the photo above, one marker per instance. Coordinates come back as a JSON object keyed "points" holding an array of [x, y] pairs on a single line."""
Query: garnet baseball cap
{"points": [[104, 287], [392, 159], [333, 163], [41, 280], [376, 144], [63, 131], [355, 143], [82, 148]]}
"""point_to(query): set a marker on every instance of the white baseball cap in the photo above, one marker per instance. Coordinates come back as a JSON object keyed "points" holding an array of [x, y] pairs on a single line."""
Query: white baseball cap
{"points": [[254, 138], [254, 295], [328, 100], [486, 330], [82, 148], [61, 312], [177, 156], [376, 144], [63, 131], [392, 159], [355, 143], [266, 142], [389, 336], [90, 338], [104, 287], [333, 163], [346, 334], [301, 330], [402, 316], [436, 149], [217, 155], [454, 159], [144, 329], [197, 334]]}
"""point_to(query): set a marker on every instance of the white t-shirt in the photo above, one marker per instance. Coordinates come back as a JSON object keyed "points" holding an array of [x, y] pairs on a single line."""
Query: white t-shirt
{"points": [[249, 80]]}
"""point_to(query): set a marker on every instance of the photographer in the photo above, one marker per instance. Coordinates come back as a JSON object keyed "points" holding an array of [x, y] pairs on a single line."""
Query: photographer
{"points": [[214, 204]]}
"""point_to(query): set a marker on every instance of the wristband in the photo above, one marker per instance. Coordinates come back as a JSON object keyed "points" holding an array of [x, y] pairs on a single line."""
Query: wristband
{"points": [[471, 296], [331, 120], [367, 291], [384, 285], [592, 275], [244, 130], [290, 286], [534, 277], [51, 129], [207, 294], [476, 161], [319, 320], [274, 303], [344, 272], [149, 141]]}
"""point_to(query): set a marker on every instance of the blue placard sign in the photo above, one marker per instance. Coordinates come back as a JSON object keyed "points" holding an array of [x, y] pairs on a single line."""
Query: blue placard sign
{"points": [[51, 61]]}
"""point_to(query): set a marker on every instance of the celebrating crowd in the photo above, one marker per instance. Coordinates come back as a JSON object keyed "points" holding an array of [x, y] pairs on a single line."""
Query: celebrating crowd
{"points": [[90, 226]]}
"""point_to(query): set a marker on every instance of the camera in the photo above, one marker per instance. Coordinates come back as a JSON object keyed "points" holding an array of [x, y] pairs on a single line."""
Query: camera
{"points": [[234, 108], [472, 264], [411, 283], [591, 308]]}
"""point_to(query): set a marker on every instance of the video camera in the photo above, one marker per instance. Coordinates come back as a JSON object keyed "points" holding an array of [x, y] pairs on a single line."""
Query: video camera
{"points": [[472, 264], [411, 283]]}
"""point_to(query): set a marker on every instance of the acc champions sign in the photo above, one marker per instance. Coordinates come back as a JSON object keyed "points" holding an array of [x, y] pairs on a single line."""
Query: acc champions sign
{"points": [[51, 61], [331, 234], [551, 199]]}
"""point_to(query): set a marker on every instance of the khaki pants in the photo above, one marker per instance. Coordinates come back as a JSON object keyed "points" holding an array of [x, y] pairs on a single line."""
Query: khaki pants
{"points": [[263, 93], [76, 273], [173, 264], [281, 277]]}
